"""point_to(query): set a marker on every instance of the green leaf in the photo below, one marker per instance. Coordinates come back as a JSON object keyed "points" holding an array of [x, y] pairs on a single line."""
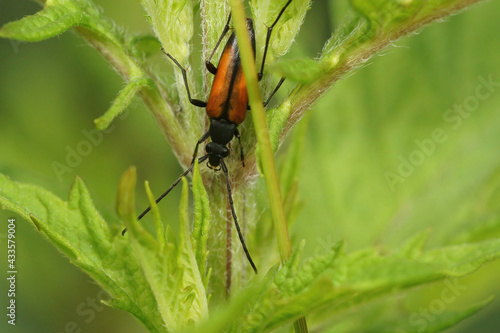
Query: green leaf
{"points": [[191, 296], [201, 224], [172, 22], [289, 173], [160, 285], [384, 14], [334, 282], [225, 314], [214, 16], [413, 247], [171, 271], [441, 321], [487, 200], [393, 317], [485, 230], [77, 230], [144, 46], [303, 70], [282, 298], [125, 209], [55, 18], [160, 230], [122, 101]]}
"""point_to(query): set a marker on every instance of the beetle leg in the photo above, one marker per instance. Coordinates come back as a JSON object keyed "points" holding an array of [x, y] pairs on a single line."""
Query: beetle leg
{"points": [[195, 102], [211, 67], [202, 139], [272, 94], [274, 91], [242, 241], [269, 31], [242, 156]]}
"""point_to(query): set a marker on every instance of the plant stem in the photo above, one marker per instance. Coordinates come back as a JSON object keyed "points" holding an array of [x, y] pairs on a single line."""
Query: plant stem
{"points": [[259, 119], [266, 152]]}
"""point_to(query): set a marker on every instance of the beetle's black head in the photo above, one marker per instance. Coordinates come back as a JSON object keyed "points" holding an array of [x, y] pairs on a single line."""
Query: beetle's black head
{"points": [[216, 152]]}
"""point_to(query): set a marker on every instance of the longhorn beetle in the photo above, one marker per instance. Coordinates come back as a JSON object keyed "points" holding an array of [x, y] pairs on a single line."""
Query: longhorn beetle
{"points": [[226, 108]]}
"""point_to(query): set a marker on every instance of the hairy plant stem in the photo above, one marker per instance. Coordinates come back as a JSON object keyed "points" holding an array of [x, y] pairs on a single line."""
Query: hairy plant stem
{"points": [[152, 94], [266, 152]]}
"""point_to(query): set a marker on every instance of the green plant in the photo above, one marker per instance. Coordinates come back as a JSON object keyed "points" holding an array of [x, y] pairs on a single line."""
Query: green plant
{"points": [[335, 281]]}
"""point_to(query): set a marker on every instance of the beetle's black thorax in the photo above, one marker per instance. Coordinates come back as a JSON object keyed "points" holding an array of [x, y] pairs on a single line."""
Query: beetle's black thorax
{"points": [[221, 132]]}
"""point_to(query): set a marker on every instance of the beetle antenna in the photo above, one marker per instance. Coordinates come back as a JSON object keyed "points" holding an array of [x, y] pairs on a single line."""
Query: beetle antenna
{"points": [[224, 169], [188, 170], [211, 68]]}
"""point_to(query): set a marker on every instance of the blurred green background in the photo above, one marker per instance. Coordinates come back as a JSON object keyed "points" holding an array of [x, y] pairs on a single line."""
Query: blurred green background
{"points": [[51, 91]]}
